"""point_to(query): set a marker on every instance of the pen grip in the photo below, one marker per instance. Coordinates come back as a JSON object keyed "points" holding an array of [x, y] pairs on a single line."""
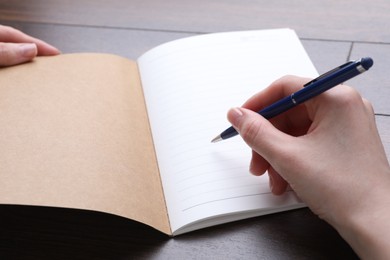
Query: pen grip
{"points": [[268, 113], [277, 108]]}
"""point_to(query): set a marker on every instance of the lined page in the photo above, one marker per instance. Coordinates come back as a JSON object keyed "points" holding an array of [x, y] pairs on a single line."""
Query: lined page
{"points": [[189, 85]]}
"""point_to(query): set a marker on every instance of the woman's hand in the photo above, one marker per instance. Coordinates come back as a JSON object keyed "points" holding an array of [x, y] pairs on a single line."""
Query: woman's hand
{"points": [[330, 153], [17, 47]]}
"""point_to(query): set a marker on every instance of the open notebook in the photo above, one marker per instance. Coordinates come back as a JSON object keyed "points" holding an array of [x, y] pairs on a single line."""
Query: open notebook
{"points": [[132, 138]]}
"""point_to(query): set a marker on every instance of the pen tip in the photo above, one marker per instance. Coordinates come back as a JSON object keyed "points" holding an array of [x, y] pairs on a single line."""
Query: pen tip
{"points": [[216, 139]]}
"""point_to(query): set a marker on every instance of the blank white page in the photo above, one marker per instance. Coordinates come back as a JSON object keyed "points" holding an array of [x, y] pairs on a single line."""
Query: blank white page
{"points": [[189, 85]]}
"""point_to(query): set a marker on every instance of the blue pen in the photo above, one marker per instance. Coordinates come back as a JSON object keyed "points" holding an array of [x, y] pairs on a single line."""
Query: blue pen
{"points": [[311, 89]]}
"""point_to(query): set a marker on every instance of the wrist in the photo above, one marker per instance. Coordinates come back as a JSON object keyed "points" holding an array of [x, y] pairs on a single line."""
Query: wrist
{"points": [[367, 227]]}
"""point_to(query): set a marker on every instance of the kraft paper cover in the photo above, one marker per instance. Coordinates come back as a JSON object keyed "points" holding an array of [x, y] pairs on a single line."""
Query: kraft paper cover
{"points": [[74, 133]]}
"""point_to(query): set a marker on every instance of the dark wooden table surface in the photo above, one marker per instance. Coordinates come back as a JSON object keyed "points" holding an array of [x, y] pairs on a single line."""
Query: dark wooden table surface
{"points": [[331, 31]]}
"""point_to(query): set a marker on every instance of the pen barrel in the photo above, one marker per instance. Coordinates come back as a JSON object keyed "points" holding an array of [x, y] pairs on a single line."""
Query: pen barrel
{"points": [[324, 84], [230, 132], [310, 90], [268, 113], [277, 108]]}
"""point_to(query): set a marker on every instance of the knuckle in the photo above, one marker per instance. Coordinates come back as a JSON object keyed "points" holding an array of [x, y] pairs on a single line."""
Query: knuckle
{"points": [[347, 97], [5, 54], [368, 106]]}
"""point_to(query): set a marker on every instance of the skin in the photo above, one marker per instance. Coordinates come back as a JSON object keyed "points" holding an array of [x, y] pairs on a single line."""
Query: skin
{"points": [[330, 153], [17, 47]]}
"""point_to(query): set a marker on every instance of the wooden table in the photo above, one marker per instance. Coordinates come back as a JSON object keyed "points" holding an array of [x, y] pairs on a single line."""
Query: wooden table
{"points": [[331, 31]]}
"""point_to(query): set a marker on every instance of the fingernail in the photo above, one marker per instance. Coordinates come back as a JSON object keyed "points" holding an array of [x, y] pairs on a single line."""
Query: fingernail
{"points": [[234, 115], [28, 50]]}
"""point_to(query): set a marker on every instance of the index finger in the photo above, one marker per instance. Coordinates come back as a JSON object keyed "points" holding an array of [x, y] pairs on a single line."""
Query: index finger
{"points": [[277, 90], [295, 121]]}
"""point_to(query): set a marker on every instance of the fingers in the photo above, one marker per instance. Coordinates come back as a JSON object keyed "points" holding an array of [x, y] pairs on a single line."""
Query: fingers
{"points": [[277, 90], [266, 141], [295, 121], [263, 136], [258, 133], [258, 164], [276, 183], [16, 53], [12, 35], [308, 129]]}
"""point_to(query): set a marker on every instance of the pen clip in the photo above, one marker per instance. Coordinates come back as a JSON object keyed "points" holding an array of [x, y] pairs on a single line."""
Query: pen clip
{"points": [[327, 73]]}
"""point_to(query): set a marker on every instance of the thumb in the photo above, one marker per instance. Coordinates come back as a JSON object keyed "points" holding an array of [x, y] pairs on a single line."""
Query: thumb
{"points": [[16, 53], [259, 133]]}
